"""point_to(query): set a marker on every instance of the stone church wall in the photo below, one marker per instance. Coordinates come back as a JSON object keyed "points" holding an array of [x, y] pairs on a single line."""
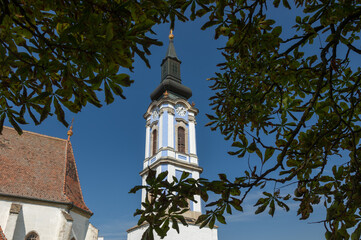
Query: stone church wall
{"points": [[50, 222], [192, 232]]}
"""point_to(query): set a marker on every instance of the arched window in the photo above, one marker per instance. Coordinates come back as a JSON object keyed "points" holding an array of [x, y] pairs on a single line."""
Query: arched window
{"points": [[32, 236], [154, 142], [181, 140]]}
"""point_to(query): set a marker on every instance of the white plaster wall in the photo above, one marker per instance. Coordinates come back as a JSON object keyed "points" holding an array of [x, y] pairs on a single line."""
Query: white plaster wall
{"points": [[136, 234], [171, 172], [143, 190], [192, 232], [4, 212], [147, 141], [160, 132], [194, 160], [80, 225], [192, 138], [171, 130], [92, 233], [44, 220]]}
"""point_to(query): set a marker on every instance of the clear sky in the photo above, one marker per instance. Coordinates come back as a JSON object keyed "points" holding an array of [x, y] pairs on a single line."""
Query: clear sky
{"points": [[109, 146]]}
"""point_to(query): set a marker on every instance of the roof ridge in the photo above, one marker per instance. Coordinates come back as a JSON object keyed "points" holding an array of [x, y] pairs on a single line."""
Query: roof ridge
{"points": [[65, 166], [77, 175], [82, 205], [38, 134], [2, 234]]}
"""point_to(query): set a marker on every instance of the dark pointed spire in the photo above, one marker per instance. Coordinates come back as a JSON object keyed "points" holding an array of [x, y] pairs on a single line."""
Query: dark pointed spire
{"points": [[171, 50], [170, 77]]}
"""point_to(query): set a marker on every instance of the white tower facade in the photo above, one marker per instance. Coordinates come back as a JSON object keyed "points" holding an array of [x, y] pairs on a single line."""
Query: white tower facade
{"points": [[170, 143]]}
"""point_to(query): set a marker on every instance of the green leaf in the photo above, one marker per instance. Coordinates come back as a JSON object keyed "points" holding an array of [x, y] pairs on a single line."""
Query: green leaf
{"points": [[268, 154], [108, 94], [60, 113], [15, 124], [276, 3], [261, 208], [122, 79], [286, 4], [277, 31], [272, 208], [162, 176], [175, 225], [221, 219], [259, 153], [252, 147], [212, 222], [356, 235], [46, 109], [201, 218], [2, 119], [204, 222]]}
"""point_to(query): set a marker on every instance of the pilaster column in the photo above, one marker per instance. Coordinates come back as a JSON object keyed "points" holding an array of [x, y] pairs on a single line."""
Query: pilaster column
{"points": [[12, 219], [147, 139], [165, 133], [160, 132], [171, 129], [66, 226], [192, 136]]}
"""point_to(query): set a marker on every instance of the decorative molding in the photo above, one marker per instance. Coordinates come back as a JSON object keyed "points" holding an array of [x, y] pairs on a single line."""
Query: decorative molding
{"points": [[172, 102], [191, 118], [172, 150], [168, 109], [175, 162], [181, 120], [154, 123]]}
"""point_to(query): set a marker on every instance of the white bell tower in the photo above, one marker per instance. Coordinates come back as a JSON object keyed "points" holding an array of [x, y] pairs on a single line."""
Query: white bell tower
{"points": [[170, 143]]}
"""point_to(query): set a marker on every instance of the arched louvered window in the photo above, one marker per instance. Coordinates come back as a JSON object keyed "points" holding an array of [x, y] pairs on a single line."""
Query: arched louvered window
{"points": [[32, 236], [154, 142], [181, 140]]}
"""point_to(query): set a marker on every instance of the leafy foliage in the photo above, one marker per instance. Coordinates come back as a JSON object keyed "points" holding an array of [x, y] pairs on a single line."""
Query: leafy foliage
{"points": [[289, 100], [62, 54]]}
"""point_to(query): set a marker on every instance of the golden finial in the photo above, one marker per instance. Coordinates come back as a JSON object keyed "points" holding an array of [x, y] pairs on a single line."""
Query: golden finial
{"points": [[70, 132], [193, 104], [171, 36], [165, 93]]}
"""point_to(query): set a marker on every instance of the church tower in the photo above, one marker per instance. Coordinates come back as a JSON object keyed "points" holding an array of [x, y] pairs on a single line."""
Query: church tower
{"points": [[170, 143]]}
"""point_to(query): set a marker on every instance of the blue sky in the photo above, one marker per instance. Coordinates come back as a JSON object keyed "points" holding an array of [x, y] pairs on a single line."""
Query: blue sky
{"points": [[109, 146]]}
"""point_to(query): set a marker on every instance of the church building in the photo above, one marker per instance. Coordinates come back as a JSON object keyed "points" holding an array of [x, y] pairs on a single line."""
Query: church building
{"points": [[170, 144], [40, 193]]}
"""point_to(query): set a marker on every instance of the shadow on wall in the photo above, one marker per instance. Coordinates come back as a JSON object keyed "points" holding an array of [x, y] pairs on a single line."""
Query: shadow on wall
{"points": [[19, 232]]}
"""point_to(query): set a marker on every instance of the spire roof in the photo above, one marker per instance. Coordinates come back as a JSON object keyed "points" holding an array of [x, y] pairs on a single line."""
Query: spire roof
{"points": [[170, 77], [171, 49]]}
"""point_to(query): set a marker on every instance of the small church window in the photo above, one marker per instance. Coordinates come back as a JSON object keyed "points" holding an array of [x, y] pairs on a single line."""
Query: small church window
{"points": [[181, 140], [32, 236], [174, 68], [154, 142], [164, 71]]}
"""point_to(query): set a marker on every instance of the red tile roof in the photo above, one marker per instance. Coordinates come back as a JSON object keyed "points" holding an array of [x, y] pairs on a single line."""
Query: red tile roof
{"points": [[2, 235], [39, 167]]}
